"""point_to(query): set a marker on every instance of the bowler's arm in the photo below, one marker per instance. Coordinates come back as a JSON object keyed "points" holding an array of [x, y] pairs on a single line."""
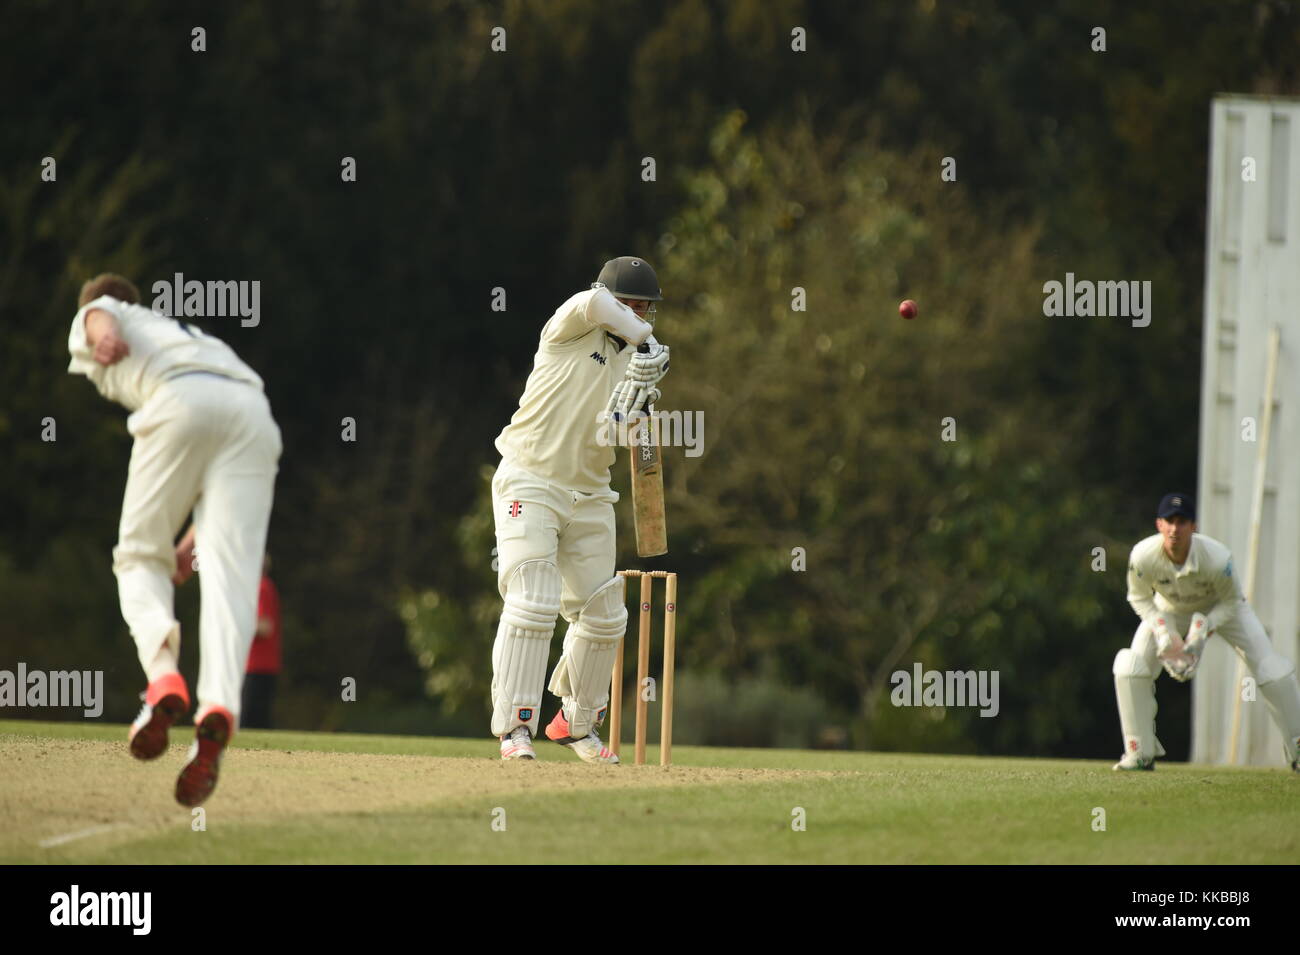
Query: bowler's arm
{"points": [[105, 337]]}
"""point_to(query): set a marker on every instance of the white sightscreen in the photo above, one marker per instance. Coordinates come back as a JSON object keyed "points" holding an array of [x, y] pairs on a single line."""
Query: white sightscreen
{"points": [[1252, 282]]}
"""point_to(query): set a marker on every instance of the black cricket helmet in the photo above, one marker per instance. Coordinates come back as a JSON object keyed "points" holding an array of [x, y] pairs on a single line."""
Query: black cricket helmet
{"points": [[630, 277]]}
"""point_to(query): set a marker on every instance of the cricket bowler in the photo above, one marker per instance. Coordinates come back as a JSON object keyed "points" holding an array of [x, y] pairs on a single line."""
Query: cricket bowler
{"points": [[554, 510], [1182, 583], [204, 442]]}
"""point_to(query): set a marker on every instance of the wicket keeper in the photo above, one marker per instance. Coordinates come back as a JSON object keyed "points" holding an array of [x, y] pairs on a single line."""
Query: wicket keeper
{"points": [[1182, 586], [554, 510]]}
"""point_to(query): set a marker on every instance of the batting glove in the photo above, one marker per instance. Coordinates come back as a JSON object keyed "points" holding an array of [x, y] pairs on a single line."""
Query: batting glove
{"points": [[648, 366], [631, 398]]}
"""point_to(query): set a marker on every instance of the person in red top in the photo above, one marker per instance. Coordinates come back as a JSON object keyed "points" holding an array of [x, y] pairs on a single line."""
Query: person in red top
{"points": [[263, 656]]}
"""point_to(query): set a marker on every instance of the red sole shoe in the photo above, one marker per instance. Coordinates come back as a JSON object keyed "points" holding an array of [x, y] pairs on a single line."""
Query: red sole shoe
{"points": [[149, 739], [198, 778]]}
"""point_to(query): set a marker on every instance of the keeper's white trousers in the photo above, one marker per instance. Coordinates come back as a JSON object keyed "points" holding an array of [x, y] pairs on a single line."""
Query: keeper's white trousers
{"points": [[207, 444]]}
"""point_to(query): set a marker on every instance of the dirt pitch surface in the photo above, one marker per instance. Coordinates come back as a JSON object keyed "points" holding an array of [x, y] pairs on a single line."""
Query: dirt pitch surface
{"points": [[77, 799]]}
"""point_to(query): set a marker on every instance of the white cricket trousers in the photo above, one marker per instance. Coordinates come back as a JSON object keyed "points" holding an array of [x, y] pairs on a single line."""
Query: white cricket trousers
{"points": [[207, 444]]}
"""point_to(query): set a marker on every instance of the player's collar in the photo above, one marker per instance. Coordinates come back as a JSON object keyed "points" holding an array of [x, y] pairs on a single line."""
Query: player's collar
{"points": [[1190, 565]]}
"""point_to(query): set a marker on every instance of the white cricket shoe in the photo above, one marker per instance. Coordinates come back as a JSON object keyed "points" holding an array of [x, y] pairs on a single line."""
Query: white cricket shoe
{"points": [[518, 744], [1134, 762], [589, 748]]}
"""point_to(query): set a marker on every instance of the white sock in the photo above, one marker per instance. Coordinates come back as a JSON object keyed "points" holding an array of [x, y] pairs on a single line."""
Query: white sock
{"points": [[162, 664]]}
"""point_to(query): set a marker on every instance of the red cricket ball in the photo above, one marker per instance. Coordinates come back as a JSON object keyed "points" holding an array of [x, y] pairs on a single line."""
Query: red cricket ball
{"points": [[907, 309]]}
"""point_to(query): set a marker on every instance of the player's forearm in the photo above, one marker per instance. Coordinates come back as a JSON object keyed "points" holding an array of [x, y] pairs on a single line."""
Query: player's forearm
{"points": [[1142, 598], [608, 313], [1221, 613], [1145, 608]]}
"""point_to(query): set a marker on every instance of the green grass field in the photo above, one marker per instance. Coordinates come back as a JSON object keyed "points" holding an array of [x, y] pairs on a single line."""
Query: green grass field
{"points": [[70, 793]]}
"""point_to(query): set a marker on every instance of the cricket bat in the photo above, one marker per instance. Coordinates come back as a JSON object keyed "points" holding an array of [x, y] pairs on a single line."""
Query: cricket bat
{"points": [[648, 490]]}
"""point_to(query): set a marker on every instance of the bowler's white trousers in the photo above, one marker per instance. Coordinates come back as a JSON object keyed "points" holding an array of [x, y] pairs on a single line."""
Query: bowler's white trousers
{"points": [[207, 444]]}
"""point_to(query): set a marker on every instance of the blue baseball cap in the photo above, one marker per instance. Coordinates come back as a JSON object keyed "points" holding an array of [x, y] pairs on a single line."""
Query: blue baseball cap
{"points": [[1177, 503]]}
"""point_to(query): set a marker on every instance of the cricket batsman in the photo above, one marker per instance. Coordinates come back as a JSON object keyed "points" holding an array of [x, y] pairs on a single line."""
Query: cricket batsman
{"points": [[1182, 586], [554, 510], [204, 442]]}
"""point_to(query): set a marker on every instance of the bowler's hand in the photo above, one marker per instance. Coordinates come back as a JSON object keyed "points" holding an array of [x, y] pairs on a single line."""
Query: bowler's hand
{"points": [[184, 560], [110, 349]]}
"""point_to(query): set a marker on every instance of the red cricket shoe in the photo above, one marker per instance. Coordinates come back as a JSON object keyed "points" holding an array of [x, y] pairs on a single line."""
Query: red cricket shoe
{"points": [[213, 729], [165, 701], [589, 748]]}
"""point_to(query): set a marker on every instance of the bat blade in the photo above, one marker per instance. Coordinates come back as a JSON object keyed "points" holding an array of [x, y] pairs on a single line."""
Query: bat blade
{"points": [[648, 491]]}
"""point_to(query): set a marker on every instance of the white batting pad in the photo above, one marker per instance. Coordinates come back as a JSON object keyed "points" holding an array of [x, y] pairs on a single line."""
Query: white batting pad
{"points": [[1135, 693], [522, 645], [583, 674]]}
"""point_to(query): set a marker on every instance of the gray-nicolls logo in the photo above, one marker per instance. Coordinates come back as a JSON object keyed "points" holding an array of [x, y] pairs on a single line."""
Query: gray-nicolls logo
{"points": [[75, 907]]}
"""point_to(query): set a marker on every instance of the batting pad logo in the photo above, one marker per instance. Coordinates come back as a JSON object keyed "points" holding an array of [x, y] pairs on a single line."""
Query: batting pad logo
{"points": [[526, 714], [75, 908], [515, 509]]}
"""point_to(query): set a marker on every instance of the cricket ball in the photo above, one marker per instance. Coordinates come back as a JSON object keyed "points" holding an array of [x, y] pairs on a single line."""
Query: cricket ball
{"points": [[907, 309]]}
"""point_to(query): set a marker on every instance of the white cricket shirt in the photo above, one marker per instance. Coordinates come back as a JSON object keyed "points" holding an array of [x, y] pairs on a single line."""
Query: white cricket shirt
{"points": [[1206, 583], [161, 348], [554, 434]]}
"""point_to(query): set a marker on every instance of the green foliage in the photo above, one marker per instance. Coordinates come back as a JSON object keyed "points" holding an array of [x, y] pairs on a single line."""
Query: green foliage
{"points": [[521, 170], [825, 433], [713, 710]]}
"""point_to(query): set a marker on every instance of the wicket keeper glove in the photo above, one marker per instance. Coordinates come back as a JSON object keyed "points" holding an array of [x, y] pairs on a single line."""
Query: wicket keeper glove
{"points": [[1169, 648], [1168, 642], [1197, 633]]}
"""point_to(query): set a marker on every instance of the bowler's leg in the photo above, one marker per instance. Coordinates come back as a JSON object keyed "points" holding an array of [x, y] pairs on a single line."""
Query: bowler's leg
{"points": [[167, 463], [231, 520]]}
